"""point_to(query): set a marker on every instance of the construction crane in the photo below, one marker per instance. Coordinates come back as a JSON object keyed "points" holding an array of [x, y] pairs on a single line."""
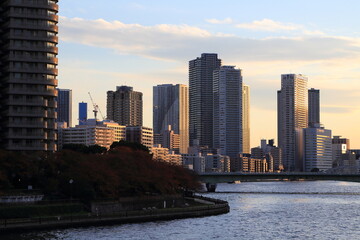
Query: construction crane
{"points": [[96, 108]]}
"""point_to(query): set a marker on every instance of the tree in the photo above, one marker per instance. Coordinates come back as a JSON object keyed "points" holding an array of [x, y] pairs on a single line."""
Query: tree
{"points": [[133, 145], [92, 149]]}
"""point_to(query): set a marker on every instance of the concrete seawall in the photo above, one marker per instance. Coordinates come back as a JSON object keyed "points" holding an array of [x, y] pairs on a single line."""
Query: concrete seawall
{"points": [[217, 207]]}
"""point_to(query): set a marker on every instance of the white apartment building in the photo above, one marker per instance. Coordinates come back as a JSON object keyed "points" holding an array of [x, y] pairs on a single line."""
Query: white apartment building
{"points": [[87, 135], [317, 148], [165, 155]]}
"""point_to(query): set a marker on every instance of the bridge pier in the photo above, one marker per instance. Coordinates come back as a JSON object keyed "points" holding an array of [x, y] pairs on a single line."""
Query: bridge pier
{"points": [[211, 187]]}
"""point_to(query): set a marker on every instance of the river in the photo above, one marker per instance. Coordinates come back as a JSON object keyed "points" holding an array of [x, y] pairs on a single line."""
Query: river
{"points": [[259, 210]]}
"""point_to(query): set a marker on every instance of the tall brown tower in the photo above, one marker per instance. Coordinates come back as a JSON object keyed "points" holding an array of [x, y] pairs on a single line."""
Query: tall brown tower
{"points": [[125, 106]]}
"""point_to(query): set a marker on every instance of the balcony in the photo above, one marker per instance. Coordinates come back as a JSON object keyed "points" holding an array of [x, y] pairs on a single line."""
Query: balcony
{"points": [[22, 58], [50, 17], [51, 125], [53, 39], [50, 28], [43, 81], [27, 124], [46, 49], [51, 104], [27, 136], [40, 70], [27, 113], [31, 91], [51, 136], [31, 4], [39, 102]]}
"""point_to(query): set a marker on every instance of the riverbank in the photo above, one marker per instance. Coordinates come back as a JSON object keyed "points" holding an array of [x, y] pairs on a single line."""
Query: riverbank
{"points": [[206, 207]]}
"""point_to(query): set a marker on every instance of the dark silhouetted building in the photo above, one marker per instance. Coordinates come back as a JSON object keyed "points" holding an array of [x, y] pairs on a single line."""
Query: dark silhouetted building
{"points": [[201, 98], [314, 106], [82, 113], [64, 106]]}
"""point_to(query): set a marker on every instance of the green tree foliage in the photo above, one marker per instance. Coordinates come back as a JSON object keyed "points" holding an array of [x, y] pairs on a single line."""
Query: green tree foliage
{"points": [[122, 171]]}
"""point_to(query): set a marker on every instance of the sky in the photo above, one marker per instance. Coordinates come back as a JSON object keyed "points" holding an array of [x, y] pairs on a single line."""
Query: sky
{"points": [[108, 43]]}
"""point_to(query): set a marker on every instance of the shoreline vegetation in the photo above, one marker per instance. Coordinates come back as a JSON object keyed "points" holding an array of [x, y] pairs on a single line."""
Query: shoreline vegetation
{"points": [[200, 207], [89, 173], [87, 186]]}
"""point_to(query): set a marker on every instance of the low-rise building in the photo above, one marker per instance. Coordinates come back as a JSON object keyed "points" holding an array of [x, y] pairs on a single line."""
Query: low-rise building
{"points": [[164, 154], [87, 135]]}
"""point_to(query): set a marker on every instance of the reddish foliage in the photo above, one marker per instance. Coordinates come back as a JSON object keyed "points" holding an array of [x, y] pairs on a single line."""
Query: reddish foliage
{"points": [[120, 172]]}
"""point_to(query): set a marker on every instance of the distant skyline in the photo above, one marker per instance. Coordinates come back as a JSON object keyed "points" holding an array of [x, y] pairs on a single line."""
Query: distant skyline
{"points": [[108, 43]]}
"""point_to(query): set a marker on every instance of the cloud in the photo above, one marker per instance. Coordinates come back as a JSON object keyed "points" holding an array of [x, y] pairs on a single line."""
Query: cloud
{"points": [[183, 42], [336, 109], [217, 21], [269, 25]]}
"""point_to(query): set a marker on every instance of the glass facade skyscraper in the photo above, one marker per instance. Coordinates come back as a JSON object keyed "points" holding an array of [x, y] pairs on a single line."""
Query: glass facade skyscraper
{"points": [[292, 119], [228, 111], [201, 98], [171, 108]]}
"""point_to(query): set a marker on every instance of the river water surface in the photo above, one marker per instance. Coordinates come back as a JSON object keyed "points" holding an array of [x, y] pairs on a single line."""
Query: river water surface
{"points": [[259, 210]]}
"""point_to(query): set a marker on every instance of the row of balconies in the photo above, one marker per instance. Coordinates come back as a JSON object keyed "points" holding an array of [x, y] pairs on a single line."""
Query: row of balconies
{"points": [[52, 71], [11, 35], [42, 59], [41, 103], [41, 134], [32, 124], [51, 17], [44, 81], [31, 4], [34, 113], [31, 91], [50, 28], [48, 49]]}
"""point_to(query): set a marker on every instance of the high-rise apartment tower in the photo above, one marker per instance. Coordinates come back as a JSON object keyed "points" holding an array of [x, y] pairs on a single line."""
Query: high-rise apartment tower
{"points": [[246, 118], [28, 72], [201, 98], [228, 111], [292, 118], [314, 106], [171, 108], [125, 106]]}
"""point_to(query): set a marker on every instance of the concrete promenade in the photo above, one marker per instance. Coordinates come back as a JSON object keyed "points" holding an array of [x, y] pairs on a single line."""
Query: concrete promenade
{"points": [[20, 225]]}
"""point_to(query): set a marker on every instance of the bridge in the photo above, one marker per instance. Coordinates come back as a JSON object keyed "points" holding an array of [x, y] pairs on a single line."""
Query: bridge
{"points": [[211, 179]]}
